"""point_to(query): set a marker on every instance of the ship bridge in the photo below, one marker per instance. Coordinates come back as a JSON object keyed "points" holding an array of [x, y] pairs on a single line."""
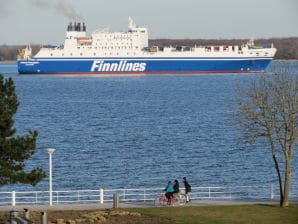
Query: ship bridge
{"points": [[74, 31]]}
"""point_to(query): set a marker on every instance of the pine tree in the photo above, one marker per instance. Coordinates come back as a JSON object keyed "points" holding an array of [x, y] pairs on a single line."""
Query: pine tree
{"points": [[14, 150]]}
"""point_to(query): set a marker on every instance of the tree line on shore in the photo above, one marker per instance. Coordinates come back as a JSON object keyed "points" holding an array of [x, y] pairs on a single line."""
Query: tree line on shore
{"points": [[287, 48]]}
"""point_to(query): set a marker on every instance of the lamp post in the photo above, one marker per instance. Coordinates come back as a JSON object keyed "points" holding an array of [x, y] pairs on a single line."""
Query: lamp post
{"points": [[50, 151]]}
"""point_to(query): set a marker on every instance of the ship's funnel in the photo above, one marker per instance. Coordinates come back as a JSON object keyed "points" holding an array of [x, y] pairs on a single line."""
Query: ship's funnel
{"points": [[76, 26]]}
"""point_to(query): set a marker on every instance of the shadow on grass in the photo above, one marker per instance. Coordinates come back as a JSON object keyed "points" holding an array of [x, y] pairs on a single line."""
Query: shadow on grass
{"points": [[269, 205]]}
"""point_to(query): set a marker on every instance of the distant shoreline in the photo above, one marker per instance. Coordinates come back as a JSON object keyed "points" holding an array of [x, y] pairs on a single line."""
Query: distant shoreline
{"points": [[8, 62]]}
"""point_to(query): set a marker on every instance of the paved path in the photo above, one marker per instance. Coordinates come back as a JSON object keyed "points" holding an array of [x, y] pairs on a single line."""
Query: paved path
{"points": [[123, 205]]}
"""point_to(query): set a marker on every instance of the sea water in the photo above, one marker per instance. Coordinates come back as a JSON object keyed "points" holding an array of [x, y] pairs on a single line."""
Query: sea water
{"points": [[139, 131]]}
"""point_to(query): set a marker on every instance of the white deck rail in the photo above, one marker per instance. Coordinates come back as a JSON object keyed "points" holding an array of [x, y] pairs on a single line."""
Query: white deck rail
{"points": [[140, 194]]}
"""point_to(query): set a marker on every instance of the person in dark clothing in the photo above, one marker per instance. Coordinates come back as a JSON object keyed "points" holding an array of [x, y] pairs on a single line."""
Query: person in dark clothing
{"points": [[176, 186], [187, 188]]}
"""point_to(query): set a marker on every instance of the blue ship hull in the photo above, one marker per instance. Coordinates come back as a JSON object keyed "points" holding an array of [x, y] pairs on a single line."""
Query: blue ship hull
{"points": [[142, 65]]}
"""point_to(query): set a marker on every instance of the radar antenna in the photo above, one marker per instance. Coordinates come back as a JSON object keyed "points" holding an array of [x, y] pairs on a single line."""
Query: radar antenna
{"points": [[131, 24]]}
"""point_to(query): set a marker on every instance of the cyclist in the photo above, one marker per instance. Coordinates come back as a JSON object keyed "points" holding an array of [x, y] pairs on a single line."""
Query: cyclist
{"points": [[176, 186], [169, 192]]}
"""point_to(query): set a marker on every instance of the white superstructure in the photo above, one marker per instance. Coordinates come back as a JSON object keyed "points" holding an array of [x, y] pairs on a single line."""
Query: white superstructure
{"points": [[134, 43]]}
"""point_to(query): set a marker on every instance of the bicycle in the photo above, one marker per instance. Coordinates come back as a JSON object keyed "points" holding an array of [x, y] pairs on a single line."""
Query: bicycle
{"points": [[177, 199]]}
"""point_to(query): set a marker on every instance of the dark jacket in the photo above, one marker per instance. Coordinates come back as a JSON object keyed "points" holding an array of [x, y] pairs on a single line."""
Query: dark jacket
{"points": [[176, 187], [187, 187]]}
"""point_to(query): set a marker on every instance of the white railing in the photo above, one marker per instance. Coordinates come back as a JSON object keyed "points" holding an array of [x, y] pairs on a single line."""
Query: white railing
{"points": [[140, 195]]}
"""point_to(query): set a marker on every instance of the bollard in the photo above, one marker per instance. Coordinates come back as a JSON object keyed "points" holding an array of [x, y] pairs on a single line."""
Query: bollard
{"points": [[116, 200], [27, 214], [43, 217], [13, 214]]}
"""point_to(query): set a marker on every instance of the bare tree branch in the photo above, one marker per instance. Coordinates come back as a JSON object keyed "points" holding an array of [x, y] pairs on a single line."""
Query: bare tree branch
{"points": [[268, 108]]}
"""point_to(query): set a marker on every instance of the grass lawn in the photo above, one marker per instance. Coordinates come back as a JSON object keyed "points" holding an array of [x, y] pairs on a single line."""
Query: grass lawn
{"points": [[264, 214], [259, 214]]}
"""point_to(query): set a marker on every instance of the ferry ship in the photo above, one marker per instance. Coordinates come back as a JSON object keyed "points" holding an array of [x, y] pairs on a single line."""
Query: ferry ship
{"points": [[106, 52]]}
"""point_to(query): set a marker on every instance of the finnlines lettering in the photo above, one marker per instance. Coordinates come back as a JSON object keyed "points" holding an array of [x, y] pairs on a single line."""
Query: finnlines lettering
{"points": [[121, 66]]}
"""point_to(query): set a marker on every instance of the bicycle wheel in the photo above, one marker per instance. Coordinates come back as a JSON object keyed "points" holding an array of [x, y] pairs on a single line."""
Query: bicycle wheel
{"points": [[157, 202], [161, 200], [182, 199]]}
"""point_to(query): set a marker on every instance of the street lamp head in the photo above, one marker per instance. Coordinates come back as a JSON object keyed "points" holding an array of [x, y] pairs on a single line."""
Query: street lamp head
{"points": [[50, 150]]}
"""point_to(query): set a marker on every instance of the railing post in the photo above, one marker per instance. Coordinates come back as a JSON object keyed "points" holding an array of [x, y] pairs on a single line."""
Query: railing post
{"points": [[230, 193], [209, 192], [13, 198], [144, 195], [272, 192], [101, 196]]}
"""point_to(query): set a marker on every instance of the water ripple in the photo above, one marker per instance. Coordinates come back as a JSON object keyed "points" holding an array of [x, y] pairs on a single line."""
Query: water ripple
{"points": [[138, 131]]}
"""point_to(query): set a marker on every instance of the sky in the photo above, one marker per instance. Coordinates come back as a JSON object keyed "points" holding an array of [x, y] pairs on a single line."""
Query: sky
{"points": [[45, 21]]}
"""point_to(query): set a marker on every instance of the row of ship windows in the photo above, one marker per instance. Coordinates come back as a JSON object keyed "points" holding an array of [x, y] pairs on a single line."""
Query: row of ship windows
{"points": [[94, 54], [105, 44], [108, 48], [81, 54], [121, 36], [257, 53], [112, 43], [111, 40]]}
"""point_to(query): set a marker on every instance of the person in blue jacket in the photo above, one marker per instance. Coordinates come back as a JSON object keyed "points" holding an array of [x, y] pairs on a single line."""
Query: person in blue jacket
{"points": [[169, 191]]}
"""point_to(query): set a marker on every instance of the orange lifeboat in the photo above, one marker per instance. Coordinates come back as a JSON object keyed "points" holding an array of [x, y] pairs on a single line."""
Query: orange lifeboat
{"points": [[85, 39]]}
